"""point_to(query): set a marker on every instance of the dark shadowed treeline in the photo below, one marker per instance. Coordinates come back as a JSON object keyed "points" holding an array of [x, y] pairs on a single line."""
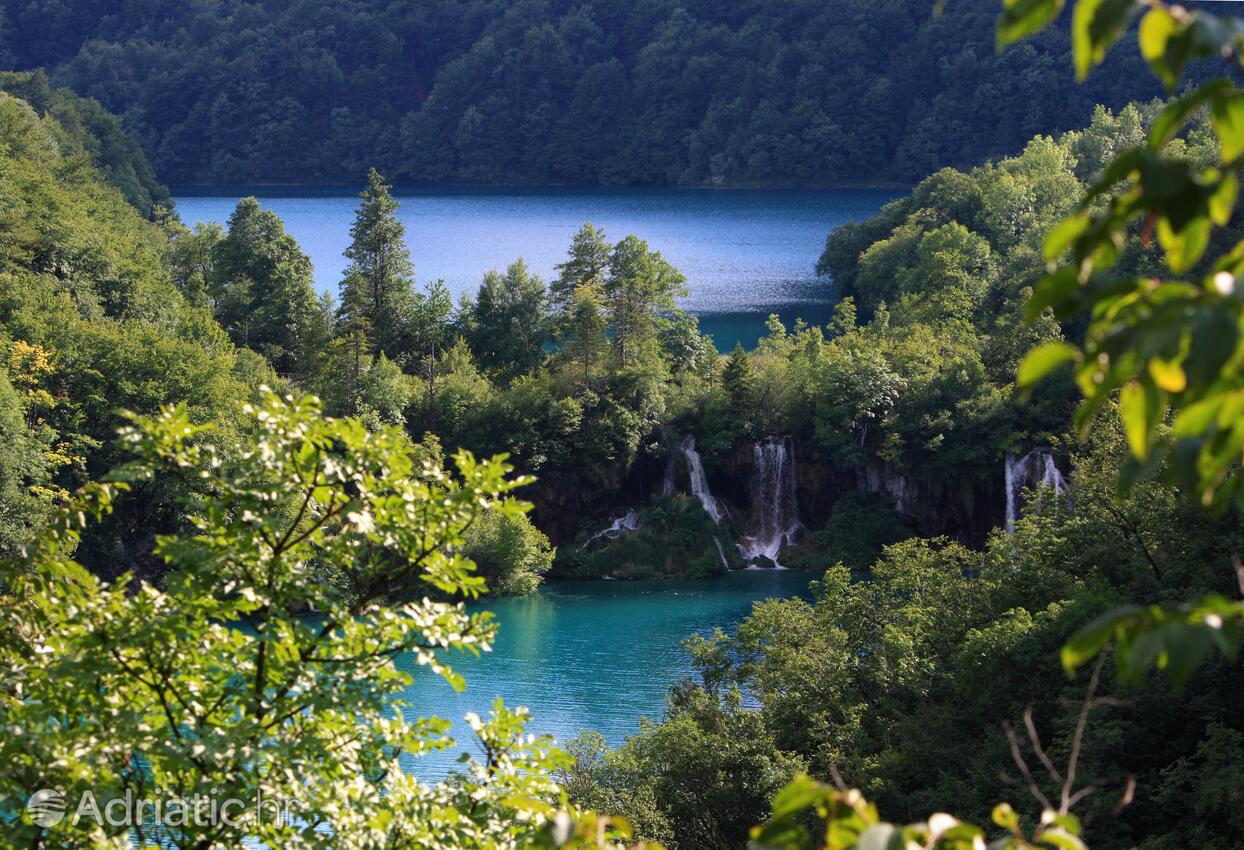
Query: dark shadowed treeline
{"points": [[483, 91]]}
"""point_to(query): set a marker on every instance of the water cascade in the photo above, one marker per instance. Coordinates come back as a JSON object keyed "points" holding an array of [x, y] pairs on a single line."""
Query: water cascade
{"points": [[699, 483], [1034, 469], [775, 511], [667, 482], [721, 553], [629, 521]]}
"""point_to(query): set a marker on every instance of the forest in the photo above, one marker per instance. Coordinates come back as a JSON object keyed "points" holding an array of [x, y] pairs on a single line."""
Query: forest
{"points": [[228, 503], [480, 91]]}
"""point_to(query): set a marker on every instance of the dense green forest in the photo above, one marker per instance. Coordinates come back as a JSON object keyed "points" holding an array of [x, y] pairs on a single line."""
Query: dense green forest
{"points": [[227, 504], [658, 92]]}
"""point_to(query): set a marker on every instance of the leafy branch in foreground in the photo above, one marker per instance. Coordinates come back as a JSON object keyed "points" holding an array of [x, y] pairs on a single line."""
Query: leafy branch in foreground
{"points": [[266, 670], [1171, 348]]}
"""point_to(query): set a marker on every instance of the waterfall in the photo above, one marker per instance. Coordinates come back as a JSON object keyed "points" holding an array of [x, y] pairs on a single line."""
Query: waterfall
{"points": [[699, 484], [667, 482], [629, 521], [775, 510], [721, 553], [1036, 468]]}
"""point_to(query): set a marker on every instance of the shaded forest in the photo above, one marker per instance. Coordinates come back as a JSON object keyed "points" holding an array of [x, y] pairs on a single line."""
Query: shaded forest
{"points": [[647, 93]]}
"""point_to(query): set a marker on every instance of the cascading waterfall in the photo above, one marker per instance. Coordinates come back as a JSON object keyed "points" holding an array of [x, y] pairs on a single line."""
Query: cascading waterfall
{"points": [[775, 510], [667, 481], [1036, 468], [699, 483], [721, 553], [629, 521]]}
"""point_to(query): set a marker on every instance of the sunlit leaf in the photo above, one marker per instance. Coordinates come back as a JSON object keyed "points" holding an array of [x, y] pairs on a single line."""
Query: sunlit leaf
{"points": [[1044, 359], [1095, 26], [1021, 18]]}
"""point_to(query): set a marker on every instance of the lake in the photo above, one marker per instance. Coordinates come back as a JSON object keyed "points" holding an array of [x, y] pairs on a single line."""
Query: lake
{"points": [[596, 655], [745, 253]]}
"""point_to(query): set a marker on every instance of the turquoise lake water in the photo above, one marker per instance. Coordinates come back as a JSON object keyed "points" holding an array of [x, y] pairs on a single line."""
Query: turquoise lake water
{"points": [[745, 254], [596, 655]]}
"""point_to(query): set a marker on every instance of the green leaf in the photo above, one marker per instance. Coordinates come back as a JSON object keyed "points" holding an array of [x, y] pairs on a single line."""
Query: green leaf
{"points": [[1064, 234], [1168, 375], [1090, 640], [1139, 407], [1095, 26], [1044, 359], [1005, 817], [1227, 119], [1222, 201], [1176, 114], [1050, 291], [1021, 18], [1157, 28], [1183, 246]]}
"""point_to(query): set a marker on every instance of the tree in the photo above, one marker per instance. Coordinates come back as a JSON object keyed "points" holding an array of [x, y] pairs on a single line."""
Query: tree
{"points": [[379, 282], [582, 329], [226, 690], [267, 296], [191, 259], [640, 285], [586, 263], [507, 324], [739, 380]]}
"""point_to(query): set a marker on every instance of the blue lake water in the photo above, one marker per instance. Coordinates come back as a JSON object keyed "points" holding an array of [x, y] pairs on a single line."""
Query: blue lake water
{"points": [[590, 655], [745, 253]]}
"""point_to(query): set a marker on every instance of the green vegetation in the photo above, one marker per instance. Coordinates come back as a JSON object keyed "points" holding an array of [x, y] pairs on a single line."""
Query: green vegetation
{"points": [[215, 600], [663, 92]]}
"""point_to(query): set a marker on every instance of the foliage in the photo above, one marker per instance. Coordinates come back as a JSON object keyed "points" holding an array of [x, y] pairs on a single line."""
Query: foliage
{"points": [[84, 128], [1169, 347], [377, 292], [224, 685], [793, 93]]}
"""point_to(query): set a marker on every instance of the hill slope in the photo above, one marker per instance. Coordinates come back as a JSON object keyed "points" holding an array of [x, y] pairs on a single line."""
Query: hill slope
{"points": [[656, 92]]}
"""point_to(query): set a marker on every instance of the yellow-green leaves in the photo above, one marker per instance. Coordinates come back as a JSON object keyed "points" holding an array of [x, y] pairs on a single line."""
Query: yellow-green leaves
{"points": [[1157, 29], [1021, 18], [1095, 26], [1227, 119], [1170, 37], [1140, 408], [1044, 359]]}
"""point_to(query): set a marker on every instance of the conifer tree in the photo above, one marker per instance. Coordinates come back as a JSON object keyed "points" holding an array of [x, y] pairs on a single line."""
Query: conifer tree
{"points": [[739, 379], [379, 283], [587, 262]]}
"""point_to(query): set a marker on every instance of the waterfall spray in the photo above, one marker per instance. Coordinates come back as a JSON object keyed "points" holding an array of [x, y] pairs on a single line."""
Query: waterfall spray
{"points": [[699, 483], [1036, 468], [629, 521], [775, 509]]}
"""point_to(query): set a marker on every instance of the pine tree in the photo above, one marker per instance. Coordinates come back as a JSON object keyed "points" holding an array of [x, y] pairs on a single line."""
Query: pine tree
{"points": [[587, 262], [739, 380], [379, 283]]}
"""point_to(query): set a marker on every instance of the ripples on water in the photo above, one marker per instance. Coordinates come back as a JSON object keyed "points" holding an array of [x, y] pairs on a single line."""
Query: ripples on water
{"points": [[745, 253]]}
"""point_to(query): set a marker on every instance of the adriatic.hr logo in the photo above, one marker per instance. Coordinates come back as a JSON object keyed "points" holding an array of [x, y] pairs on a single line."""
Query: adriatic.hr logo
{"points": [[46, 807]]}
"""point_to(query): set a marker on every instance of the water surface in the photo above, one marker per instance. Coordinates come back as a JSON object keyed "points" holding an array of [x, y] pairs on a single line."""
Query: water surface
{"points": [[745, 253], [591, 655]]}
